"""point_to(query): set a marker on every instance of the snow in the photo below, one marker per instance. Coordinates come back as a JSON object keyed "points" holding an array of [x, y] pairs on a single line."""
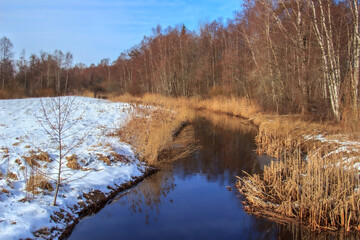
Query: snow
{"points": [[343, 146], [23, 133]]}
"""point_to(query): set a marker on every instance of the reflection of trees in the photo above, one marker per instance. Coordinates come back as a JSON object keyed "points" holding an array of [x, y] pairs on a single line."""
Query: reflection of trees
{"points": [[299, 232], [150, 194], [227, 148]]}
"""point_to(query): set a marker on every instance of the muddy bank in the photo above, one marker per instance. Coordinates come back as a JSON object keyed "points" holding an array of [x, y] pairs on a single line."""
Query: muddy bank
{"points": [[95, 201]]}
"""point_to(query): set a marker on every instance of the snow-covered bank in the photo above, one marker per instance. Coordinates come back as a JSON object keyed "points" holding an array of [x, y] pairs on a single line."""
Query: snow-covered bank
{"points": [[103, 163]]}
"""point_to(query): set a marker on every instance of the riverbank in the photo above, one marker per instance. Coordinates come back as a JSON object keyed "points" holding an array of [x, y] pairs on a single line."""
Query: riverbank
{"points": [[315, 180], [96, 163]]}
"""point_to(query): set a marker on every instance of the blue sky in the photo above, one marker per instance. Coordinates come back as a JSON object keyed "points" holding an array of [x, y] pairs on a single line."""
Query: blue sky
{"points": [[95, 29]]}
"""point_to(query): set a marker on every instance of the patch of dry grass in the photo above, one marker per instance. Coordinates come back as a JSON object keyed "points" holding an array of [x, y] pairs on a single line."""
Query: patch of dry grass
{"points": [[38, 181], [155, 134], [72, 162], [11, 175], [240, 107], [34, 157]]}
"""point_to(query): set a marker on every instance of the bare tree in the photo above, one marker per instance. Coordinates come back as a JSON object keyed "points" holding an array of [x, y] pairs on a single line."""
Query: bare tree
{"points": [[67, 65], [354, 52], [58, 118], [323, 27], [6, 61]]}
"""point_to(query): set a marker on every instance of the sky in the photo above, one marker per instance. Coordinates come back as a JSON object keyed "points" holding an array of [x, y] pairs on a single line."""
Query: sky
{"points": [[96, 29]]}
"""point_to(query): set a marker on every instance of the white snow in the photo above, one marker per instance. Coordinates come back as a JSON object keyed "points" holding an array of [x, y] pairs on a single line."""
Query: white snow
{"points": [[21, 132], [344, 146]]}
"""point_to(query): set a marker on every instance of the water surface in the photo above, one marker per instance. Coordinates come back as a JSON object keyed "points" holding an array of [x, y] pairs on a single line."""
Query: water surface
{"points": [[192, 199]]}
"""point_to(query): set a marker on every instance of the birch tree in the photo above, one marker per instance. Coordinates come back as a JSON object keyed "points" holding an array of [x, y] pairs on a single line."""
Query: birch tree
{"points": [[354, 53], [322, 24], [6, 60]]}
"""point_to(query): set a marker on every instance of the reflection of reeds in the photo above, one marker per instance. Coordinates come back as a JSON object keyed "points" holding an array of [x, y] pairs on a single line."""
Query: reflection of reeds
{"points": [[228, 122], [295, 231]]}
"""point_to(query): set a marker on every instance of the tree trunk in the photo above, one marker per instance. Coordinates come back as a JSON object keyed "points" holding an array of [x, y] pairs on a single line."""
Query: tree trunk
{"points": [[330, 58]]}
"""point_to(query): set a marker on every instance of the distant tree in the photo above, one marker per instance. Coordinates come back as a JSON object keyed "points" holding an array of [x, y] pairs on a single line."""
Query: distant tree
{"points": [[6, 60], [23, 68], [59, 59], [67, 65]]}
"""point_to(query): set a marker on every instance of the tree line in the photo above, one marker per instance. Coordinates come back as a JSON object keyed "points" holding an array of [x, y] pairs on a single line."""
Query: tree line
{"points": [[290, 56]]}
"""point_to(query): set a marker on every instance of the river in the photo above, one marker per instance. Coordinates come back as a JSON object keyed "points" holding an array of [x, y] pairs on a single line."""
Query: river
{"points": [[194, 198]]}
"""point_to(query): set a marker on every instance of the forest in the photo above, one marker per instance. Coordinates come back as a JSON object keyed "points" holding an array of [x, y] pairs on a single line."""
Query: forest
{"points": [[287, 56]]}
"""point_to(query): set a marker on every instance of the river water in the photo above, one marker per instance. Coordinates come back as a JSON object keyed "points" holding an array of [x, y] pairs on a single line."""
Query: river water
{"points": [[194, 198]]}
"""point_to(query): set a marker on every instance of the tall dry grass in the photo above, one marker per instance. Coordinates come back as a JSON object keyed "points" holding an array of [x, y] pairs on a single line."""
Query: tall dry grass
{"points": [[158, 135], [279, 134], [239, 107], [321, 191]]}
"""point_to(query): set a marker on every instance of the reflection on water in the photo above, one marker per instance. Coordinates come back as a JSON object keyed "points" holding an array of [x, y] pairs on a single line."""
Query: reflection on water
{"points": [[189, 199]]}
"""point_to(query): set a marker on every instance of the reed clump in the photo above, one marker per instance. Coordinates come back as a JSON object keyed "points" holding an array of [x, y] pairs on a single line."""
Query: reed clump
{"points": [[38, 181], [322, 191], [156, 134]]}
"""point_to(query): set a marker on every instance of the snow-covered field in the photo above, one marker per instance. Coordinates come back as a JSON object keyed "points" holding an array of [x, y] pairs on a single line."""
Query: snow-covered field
{"points": [[102, 161]]}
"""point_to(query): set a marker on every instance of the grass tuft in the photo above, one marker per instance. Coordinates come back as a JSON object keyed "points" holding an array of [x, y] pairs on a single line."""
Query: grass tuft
{"points": [[38, 181], [155, 134]]}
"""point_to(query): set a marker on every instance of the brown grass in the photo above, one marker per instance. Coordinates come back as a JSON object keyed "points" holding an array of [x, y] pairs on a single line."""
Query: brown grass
{"points": [[11, 175], [112, 157], [43, 156], [103, 158], [320, 192], [152, 132], [38, 181], [33, 159], [118, 157], [351, 123], [4, 190], [240, 107], [72, 162]]}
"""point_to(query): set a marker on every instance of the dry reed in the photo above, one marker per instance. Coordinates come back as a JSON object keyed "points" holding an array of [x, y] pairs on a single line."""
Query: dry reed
{"points": [[155, 134], [320, 191], [38, 181]]}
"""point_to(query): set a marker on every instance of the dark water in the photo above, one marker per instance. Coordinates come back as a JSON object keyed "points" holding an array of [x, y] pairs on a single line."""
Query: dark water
{"points": [[190, 199]]}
